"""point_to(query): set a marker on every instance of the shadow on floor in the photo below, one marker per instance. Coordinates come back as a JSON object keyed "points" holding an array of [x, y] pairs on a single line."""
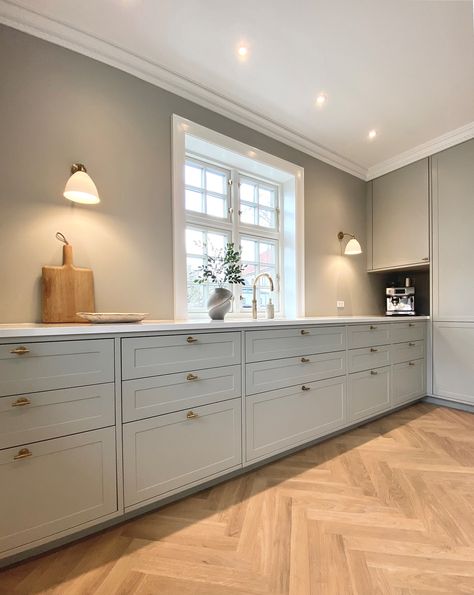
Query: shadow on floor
{"points": [[101, 551]]}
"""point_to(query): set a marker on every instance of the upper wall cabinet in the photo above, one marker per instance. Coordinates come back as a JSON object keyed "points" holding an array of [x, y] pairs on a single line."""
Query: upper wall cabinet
{"points": [[453, 223], [398, 218]]}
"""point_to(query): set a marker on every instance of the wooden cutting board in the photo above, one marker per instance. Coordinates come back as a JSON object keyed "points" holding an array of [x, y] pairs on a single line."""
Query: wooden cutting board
{"points": [[66, 290]]}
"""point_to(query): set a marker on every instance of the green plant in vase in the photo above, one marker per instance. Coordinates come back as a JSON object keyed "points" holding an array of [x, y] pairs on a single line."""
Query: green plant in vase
{"points": [[225, 268]]}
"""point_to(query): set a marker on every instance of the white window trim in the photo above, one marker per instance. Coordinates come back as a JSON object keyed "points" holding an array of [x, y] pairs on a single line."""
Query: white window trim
{"points": [[180, 127]]}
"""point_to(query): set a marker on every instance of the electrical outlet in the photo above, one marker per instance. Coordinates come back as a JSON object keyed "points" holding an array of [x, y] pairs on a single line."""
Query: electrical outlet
{"points": [[340, 304]]}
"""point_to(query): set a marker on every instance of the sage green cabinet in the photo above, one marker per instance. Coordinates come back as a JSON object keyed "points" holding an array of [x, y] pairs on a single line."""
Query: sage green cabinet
{"points": [[398, 219], [453, 222]]}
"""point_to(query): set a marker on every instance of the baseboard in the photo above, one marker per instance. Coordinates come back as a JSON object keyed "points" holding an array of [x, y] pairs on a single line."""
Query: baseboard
{"points": [[450, 404]]}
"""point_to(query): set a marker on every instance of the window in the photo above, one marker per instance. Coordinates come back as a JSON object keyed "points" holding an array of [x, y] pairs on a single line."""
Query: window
{"points": [[226, 205], [226, 196]]}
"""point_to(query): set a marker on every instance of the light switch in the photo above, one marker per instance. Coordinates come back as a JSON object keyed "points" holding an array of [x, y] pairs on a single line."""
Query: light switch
{"points": [[340, 304]]}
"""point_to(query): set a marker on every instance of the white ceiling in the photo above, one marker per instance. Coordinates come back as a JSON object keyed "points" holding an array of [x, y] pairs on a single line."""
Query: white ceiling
{"points": [[402, 67]]}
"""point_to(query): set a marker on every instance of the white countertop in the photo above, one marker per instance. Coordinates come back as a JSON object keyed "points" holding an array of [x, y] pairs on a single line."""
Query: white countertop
{"points": [[8, 331]]}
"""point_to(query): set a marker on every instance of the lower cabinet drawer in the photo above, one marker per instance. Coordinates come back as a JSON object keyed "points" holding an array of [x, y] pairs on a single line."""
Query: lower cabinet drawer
{"points": [[408, 331], [162, 454], [408, 381], [56, 485], [275, 374], [368, 335], [282, 419], [368, 393], [404, 352], [158, 395], [368, 358], [41, 416]]}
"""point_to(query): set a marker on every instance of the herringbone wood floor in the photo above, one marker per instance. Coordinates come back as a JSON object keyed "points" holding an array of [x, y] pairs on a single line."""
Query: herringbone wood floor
{"points": [[386, 508]]}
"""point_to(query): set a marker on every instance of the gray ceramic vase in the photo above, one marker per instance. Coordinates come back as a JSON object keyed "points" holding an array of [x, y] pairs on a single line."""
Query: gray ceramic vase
{"points": [[219, 303]]}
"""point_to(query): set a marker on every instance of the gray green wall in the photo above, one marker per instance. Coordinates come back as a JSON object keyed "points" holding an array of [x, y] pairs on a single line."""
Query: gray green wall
{"points": [[58, 107]]}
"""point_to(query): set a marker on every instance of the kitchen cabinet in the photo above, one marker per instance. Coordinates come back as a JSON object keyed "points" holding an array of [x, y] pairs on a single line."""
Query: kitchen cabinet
{"points": [[408, 381], [453, 361], [399, 218], [172, 451], [55, 485], [104, 438], [33, 367], [453, 217], [281, 419], [152, 356], [368, 393]]}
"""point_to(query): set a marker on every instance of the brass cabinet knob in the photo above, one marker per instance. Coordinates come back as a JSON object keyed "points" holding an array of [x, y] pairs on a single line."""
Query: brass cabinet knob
{"points": [[305, 387], [411, 363], [191, 415], [373, 350], [21, 402], [374, 372], [411, 344], [304, 332], [23, 453], [192, 377], [191, 339], [305, 360], [373, 327], [411, 324], [20, 350]]}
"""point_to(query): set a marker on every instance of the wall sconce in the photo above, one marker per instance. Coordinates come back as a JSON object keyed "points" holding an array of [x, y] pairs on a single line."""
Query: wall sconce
{"points": [[352, 246], [80, 186]]}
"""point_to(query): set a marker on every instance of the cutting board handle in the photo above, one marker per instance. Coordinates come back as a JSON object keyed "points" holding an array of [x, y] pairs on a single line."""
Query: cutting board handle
{"points": [[67, 254]]}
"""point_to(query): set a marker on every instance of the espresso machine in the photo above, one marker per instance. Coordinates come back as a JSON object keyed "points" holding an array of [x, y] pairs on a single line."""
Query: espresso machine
{"points": [[400, 300]]}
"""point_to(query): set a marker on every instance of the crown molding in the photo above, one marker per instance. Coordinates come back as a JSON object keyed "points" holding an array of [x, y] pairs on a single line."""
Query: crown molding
{"points": [[29, 21], [440, 143], [24, 19]]}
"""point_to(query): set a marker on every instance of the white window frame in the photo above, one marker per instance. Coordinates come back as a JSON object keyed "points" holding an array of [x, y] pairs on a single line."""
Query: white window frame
{"points": [[291, 214]]}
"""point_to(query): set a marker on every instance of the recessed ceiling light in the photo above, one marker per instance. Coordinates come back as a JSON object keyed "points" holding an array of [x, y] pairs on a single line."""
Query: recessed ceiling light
{"points": [[243, 51], [372, 134], [321, 99]]}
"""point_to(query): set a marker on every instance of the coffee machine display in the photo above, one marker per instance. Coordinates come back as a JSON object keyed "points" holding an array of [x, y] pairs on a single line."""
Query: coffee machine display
{"points": [[400, 301]]}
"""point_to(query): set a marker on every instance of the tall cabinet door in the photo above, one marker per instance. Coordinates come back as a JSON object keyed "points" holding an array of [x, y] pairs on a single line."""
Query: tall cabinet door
{"points": [[453, 220], [400, 217]]}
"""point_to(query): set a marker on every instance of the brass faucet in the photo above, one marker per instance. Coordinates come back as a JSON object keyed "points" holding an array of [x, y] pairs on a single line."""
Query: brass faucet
{"points": [[254, 296]]}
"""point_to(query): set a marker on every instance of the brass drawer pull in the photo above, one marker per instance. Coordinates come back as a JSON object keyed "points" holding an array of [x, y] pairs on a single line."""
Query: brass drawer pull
{"points": [[20, 350], [374, 372], [305, 360], [191, 415], [305, 387], [21, 402], [373, 350], [192, 377], [304, 332], [411, 324], [411, 363], [372, 327], [23, 453], [411, 344], [191, 339]]}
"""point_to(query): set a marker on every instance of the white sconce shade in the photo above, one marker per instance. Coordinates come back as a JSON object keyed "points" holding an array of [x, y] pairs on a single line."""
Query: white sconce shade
{"points": [[352, 247], [80, 186]]}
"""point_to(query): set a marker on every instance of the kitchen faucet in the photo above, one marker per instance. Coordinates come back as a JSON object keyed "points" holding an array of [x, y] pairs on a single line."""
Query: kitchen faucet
{"points": [[254, 295]]}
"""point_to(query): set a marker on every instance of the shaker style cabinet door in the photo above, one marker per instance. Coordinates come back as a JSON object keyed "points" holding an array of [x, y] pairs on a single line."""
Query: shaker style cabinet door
{"points": [[55, 485], [453, 361], [400, 217], [453, 217]]}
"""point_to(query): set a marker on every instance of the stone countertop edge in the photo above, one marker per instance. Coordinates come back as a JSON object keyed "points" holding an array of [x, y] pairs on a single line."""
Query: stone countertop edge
{"points": [[21, 330]]}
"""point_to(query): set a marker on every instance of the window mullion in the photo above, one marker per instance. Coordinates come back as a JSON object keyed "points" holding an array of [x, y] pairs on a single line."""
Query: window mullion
{"points": [[235, 218]]}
